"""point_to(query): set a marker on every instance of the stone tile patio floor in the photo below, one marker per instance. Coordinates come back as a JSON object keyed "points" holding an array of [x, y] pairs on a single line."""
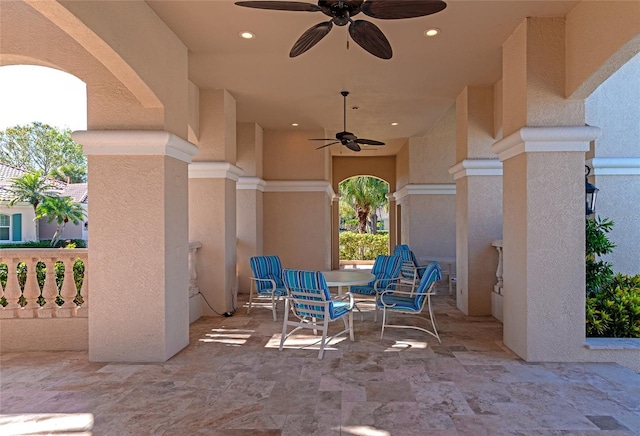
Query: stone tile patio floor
{"points": [[232, 380]]}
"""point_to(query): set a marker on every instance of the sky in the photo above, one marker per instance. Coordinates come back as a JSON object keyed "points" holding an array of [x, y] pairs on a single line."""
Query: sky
{"points": [[30, 93]]}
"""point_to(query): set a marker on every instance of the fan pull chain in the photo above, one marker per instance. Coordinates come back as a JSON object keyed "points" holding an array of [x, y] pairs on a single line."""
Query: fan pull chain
{"points": [[347, 43]]}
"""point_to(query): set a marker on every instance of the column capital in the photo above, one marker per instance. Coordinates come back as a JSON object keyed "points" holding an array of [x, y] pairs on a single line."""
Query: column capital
{"points": [[134, 143], [251, 183], [214, 170], [476, 167], [545, 139]]}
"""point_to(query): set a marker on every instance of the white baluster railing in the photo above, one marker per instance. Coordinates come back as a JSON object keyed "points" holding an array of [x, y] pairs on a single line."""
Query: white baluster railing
{"points": [[24, 302]]}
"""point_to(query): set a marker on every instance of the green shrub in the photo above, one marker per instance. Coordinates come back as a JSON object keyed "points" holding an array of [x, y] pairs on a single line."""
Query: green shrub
{"points": [[365, 246], [614, 311], [45, 243], [598, 273]]}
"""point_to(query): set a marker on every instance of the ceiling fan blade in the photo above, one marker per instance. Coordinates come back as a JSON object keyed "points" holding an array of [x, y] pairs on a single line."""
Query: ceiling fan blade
{"points": [[368, 141], [310, 38], [326, 145], [351, 145], [368, 36], [396, 9], [321, 139], [281, 6]]}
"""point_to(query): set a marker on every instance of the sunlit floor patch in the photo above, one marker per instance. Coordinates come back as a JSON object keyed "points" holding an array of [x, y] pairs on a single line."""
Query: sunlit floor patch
{"points": [[47, 423], [232, 337], [308, 342], [363, 430]]}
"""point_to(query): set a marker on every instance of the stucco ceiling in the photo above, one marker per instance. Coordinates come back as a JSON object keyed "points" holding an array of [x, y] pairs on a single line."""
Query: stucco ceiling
{"points": [[413, 89]]}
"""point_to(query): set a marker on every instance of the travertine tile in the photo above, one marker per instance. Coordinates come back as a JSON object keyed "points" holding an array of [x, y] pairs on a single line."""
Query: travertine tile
{"points": [[233, 380]]}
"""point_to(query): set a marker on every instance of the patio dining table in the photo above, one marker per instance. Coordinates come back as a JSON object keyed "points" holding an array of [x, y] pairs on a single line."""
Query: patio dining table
{"points": [[340, 278]]}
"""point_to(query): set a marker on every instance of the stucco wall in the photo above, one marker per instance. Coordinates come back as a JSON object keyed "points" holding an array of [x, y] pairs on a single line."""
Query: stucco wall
{"points": [[289, 155], [295, 228]]}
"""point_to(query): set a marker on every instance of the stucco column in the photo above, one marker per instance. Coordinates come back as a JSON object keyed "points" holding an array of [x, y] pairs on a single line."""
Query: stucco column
{"points": [[478, 200], [249, 196], [335, 232], [392, 223], [212, 187], [212, 201], [478, 223], [543, 228], [139, 278], [249, 217]]}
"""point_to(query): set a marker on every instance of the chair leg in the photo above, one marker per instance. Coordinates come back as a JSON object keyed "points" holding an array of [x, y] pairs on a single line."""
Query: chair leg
{"points": [[323, 341], [351, 335], [273, 306], [432, 319], [250, 297], [384, 320], [284, 323]]}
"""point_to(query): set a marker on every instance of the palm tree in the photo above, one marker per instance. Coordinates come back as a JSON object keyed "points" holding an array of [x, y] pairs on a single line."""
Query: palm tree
{"points": [[62, 210], [30, 187], [364, 194]]}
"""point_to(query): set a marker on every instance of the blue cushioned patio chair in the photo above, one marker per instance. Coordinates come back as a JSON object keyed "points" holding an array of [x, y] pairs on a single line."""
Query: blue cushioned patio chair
{"points": [[411, 272], [267, 279], [386, 270], [309, 301], [410, 303]]}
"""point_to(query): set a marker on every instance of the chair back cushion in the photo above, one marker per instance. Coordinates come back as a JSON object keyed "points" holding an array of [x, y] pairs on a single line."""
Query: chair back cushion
{"points": [[267, 267], [431, 274], [303, 286], [386, 267]]}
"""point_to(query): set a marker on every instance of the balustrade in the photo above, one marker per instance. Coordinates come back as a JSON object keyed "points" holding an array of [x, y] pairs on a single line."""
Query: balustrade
{"points": [[30, 287], [496, 296]]}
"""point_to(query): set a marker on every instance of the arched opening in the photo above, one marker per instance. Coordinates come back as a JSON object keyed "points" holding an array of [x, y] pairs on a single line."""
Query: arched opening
{"points": [[40, 108], [363, 220]]}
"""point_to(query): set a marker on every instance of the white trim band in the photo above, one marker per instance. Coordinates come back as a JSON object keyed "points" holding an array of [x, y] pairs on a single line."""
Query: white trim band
{"points": [[425, 189], [476, 167], [545, 139], [299, 186], [251, 183], [214, 170], [134, 143], [615, 166]]}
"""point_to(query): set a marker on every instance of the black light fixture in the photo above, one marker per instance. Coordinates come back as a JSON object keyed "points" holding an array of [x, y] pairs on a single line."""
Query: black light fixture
{"points": [[590, 193]]}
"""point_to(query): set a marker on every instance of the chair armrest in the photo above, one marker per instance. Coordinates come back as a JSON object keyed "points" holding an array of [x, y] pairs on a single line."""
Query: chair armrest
{"points": [[344, 297], [273, 282], [389, 282]]}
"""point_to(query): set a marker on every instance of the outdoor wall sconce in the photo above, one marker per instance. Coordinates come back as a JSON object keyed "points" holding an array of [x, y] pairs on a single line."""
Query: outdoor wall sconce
{"points": [[590, 193]]}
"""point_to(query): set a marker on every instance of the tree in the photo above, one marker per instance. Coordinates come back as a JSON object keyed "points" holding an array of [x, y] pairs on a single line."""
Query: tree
{"points": [[39, 146], [364, 194], [30, 187], [61, 210]]}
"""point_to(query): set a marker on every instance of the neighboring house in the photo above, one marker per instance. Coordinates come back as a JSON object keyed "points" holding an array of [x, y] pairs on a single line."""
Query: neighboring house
{"points": [[17, 222]]}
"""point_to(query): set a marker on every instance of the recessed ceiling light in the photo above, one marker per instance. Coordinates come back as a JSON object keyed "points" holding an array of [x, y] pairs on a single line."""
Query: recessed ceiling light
{"points": [[247, 35], [294, 124], [394, 124], [431, 32]]}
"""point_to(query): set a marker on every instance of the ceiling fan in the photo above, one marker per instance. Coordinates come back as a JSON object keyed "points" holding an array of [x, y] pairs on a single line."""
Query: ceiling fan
{"points": [[345, 138], [366, 34]]}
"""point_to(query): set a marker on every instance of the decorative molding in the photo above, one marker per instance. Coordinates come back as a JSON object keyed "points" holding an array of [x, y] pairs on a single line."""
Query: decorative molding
{"points": [[545, 139], [251, 183], [134, 143], [214, 170], [615, 166], [299, 186], [425, 189], [476, 167]]}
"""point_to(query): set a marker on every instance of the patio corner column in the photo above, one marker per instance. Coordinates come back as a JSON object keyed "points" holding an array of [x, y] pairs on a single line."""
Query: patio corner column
{"points": [[543, 228], [393, 241], [478, 222], [477, 174], [212, 221], [335, 235], [139, 244]]}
